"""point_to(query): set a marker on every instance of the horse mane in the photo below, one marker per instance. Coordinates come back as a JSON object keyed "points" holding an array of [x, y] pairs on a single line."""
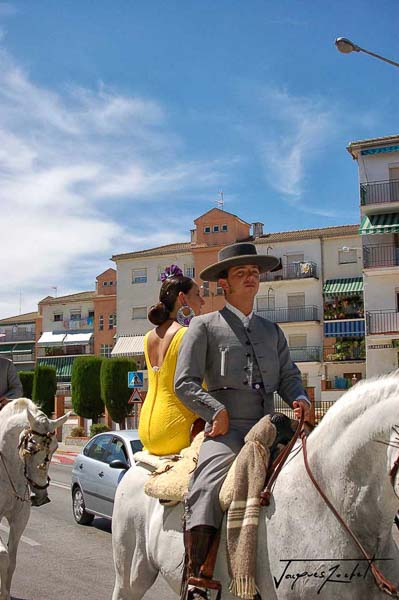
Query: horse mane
{"points": [[15, 412], [364, 412]]}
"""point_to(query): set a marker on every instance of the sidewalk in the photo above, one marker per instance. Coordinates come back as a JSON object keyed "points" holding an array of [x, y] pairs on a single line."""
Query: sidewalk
{"points": [[65, 454]]}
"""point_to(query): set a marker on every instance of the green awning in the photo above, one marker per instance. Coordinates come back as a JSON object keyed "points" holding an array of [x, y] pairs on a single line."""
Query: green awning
{"points": [[350, 285], [6, 348], [62, 365], [383, 223], [23, 348]]}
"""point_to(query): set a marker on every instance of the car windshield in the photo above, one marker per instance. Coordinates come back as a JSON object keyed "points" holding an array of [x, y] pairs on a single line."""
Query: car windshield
{"points": [[136, 445]]}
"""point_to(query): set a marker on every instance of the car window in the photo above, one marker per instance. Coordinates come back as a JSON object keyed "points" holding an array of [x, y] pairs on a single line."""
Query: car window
{"points": [[99, 448], [117, 451], [136, 445]]}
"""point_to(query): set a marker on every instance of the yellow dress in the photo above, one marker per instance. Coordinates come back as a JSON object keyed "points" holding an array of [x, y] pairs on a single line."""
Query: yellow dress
{"points": [[165, 422]]}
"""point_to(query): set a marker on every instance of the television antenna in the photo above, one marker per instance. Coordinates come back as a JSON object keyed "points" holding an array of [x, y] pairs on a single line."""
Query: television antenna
{"points": [[220, 201]]}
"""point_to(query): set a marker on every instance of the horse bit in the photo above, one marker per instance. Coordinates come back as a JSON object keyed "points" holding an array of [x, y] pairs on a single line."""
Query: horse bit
{"points": [[28, 446]]}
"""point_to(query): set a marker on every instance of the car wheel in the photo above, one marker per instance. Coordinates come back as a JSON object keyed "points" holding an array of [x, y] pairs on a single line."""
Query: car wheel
{"points": [[79, 509]]}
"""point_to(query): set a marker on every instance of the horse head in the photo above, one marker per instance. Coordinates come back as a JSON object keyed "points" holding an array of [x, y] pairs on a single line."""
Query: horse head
{"points": [[37, 444]]}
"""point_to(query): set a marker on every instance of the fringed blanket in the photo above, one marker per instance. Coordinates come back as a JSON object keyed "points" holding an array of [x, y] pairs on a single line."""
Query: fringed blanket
{"points": [[243, 514]]}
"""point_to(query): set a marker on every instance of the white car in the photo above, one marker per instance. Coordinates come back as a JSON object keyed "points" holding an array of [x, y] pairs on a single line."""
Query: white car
{"points": [[97, 471]]}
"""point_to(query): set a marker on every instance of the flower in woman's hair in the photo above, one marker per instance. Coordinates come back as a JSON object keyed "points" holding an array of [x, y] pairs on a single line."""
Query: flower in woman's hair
{"points": [[172, 271]]}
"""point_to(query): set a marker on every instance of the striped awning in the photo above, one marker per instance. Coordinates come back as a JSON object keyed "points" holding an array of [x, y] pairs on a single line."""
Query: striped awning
{"points": [[345, 328], [62, 365], [6, 348], [23, 348], [383, 223], [351, 285], [129, 345]]}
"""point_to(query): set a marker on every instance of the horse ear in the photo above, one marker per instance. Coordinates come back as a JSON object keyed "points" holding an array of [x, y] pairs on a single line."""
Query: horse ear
{"points": [[31, 418], [58, 422]]}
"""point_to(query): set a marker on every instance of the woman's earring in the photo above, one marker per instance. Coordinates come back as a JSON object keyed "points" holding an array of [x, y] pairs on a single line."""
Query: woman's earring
{"points": [[184, 315]]}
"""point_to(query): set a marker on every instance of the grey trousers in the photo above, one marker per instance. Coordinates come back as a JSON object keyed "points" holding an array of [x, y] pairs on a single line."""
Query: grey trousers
{"points": [[202, 506]]}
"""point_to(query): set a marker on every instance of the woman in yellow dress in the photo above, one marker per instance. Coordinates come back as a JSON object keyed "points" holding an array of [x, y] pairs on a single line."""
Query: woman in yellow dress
{"points": [[165, 423]]}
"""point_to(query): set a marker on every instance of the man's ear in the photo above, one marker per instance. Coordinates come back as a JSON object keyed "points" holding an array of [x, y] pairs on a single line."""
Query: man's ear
{"points": [[223, 283]]}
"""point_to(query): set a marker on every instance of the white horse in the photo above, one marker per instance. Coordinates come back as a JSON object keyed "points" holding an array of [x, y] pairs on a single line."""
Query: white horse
{"points": [[27, 442], [303, 551]]}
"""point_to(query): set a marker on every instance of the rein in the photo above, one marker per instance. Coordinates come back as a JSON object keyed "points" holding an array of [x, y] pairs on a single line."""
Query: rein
{"points": [[29, 446], [382, 583]]}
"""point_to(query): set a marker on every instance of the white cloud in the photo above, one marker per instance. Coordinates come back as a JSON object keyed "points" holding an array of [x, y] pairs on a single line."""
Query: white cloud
{"points": [[300, 128], [66, 158]]}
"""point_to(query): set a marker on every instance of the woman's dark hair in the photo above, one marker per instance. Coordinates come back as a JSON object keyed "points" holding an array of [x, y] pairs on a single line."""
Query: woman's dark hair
{"points": [[170, 289]]}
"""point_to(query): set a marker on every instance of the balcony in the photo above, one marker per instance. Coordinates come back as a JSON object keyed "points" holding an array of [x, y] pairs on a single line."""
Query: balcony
{"points": [[380, 255], [382, 321], [19, 336], [306, 354], [291, 315], [298, 270], [379, 192], [346, 350]]}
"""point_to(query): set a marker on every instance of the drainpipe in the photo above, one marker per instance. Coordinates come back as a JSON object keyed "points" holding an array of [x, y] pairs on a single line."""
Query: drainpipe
{"points": [[322, 302]]}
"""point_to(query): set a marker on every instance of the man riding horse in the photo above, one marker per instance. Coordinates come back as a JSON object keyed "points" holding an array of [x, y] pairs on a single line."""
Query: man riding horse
{"points": [[243, 359]]}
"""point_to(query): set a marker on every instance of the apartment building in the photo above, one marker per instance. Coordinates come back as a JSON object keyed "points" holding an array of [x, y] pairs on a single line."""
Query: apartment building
{"points": [[378, 169], [17, 340], [316, 294], [77, 324]]}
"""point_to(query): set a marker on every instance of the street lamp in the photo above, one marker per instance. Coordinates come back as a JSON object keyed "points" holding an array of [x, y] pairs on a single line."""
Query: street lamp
{"points": [[346, 46]]}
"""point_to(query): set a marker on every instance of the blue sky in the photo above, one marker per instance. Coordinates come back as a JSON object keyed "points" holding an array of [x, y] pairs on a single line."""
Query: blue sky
{"points": [[121, 120]]}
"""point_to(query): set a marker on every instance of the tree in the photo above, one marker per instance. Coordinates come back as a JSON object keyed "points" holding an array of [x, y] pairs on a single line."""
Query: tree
{"points": [[26, 378], [86, 390], [114, 390], [44, 388]]}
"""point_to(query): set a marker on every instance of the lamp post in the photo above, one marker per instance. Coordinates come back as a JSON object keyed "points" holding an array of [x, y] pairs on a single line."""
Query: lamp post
{"points": [[346, 46]]}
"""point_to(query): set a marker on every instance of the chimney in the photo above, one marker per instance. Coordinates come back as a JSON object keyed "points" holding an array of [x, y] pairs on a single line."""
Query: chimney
{"points": [[257, 229]]}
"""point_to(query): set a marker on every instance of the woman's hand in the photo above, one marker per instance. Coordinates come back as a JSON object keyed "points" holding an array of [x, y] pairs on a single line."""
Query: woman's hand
{"points": [[220, 424]]}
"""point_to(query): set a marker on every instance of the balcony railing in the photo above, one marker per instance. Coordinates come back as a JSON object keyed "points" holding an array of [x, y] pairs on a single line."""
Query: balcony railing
{"points": [[288, 315], [298, 270], [380, 255], [306, 353], [23, 357], [340, 353], [21, 336], [379, 192], [382, 321]]}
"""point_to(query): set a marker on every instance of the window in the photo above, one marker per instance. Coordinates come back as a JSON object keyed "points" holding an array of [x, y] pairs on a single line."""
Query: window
{"points": [[58, 317], [305, 378], [397, 301], [98, 449], [266, 302], [90, 314], [75, 315], [189, 271], [296, 300], [205, 289], [105, 283], [219, 290], [139, 276], [111, 321], [297, 341], [207, 229], [224, 228], [101, 322], [295, 258], [139, 312], [110, 283], [117, 451], [347, 256], [216, 229], [105, 350]]}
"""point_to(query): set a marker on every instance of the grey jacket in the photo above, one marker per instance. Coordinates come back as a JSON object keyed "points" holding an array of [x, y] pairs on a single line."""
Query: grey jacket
{"points": [[230, 360], [10, 384]]}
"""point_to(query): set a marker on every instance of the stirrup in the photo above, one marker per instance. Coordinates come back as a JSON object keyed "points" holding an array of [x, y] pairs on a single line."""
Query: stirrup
{"points": [[206, 584]]}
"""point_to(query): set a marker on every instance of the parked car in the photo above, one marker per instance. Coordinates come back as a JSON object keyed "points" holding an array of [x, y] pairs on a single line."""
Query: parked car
{"points": [[97, 471]]}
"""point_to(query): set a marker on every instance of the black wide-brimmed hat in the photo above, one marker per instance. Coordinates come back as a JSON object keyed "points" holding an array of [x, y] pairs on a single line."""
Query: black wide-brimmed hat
{"points": [[238, 254]]}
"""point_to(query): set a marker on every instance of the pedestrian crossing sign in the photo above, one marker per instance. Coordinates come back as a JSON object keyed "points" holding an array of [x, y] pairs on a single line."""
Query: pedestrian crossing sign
{"points": [[135, 379]]}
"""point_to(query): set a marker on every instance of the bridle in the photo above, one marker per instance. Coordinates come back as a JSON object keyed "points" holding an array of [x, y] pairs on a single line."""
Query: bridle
{"points": [[382, 583], [28, 446]]}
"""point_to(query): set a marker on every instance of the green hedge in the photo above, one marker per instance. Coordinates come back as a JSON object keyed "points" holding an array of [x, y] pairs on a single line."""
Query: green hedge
{"points": [[114, 390], [44, 388], [86, 389], [26, 378], [98, 428]]}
